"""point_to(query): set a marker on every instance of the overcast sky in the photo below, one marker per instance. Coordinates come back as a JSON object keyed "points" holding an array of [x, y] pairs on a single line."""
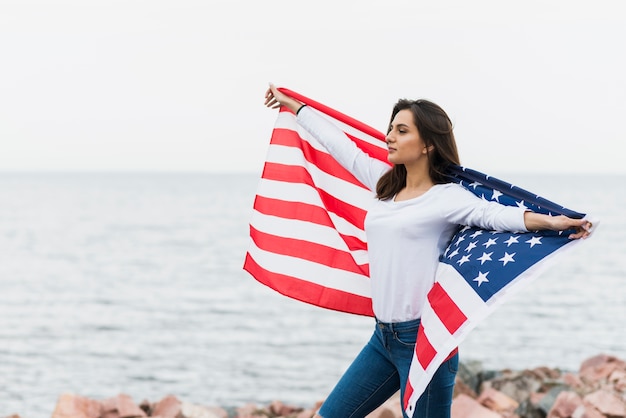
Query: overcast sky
{"points": [[534, 85]]}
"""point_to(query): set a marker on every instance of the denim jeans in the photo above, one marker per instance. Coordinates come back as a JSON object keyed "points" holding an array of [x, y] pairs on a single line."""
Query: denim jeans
{"points": [[381, 369]]}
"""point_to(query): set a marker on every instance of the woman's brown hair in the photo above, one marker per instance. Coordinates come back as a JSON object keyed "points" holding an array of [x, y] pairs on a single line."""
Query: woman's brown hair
{"points": [[435, 128]]}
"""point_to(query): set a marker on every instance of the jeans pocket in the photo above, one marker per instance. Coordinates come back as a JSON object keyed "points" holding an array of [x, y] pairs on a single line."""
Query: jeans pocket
{"points": [[406, 337]]}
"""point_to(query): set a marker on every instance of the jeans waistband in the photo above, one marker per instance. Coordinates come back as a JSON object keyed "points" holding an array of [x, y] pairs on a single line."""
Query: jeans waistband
{"points": [[398, 326]]}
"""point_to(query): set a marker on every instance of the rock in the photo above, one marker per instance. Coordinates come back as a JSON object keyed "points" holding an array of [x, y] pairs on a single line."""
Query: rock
{"points": [[465, 407], [392, 408], [600, 367], [587, 411], [497, 401], [278, 408], [548, 400], [251, 411], [470, 373], [607, 403], [121, 406], [72, 406], [517, 385], [168, 407], [189, 410], [564, 405]]}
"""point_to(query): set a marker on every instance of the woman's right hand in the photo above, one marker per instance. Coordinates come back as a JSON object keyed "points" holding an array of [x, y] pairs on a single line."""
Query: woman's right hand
{"points": [[275, 98]]}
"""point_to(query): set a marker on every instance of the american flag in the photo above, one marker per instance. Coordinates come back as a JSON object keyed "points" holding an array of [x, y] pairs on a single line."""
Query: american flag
{"points": [[307, 240]]}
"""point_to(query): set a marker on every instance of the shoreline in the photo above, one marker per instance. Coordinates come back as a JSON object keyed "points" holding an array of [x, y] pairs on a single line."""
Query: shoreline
{"points": [[596, 390]]}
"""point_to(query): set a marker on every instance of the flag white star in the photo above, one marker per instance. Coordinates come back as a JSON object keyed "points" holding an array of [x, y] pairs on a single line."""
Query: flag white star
{"points": [[534, 241], [481, 278], [453, 253], [463, 259], [485, 257], [521, 205], [490, 242], [471, 246], [475, 185], [496, 195], [461, 239], [507, 258], [511, 240], [477, 233]]}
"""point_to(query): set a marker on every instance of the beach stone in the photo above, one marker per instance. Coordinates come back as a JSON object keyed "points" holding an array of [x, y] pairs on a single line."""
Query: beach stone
{"points": [[391, 408], [564, 405], [618, 378], [607, 403], [471, 374], [517, 385], [168, 407], [572, 380], [464, 406], [497, 401], [548, 400], [121, 406], [73, 406], [280, 409], [600, 367], [189, 410], [587, 411], [251, 411]]}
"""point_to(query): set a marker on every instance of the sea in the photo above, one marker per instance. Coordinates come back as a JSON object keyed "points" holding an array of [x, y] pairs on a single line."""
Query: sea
{"points": [[133, 283]]}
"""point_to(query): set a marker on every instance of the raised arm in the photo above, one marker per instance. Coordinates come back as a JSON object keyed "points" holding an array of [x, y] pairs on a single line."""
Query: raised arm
{"points": [[536, 221]]}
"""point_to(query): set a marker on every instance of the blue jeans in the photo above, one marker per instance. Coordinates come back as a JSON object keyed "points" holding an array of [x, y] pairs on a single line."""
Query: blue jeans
{"points": [[381, 369]]}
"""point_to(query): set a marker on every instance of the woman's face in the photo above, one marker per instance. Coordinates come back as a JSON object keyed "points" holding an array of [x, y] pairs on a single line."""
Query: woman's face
{"points": [[403, 140]]}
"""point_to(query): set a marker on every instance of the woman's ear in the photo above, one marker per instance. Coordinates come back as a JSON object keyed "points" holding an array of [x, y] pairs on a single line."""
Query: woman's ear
{"points": [[428, 149]]}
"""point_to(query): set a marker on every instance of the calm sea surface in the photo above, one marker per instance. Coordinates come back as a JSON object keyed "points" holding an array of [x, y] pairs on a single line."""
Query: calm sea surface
{"points": [[133, 283]]}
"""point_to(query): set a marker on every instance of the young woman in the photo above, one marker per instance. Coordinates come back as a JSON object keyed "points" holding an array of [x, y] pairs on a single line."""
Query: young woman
{"points": [[409, 225]]}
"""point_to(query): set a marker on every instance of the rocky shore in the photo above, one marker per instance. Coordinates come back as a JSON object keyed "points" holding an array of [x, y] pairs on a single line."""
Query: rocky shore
{"points": [[596, 390]]}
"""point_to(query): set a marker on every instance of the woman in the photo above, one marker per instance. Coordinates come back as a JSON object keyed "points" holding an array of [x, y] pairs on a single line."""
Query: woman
{"points": [[416, 212]]}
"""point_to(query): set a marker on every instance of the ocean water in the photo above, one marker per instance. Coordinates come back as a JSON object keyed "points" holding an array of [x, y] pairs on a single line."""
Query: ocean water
{"points": [[133, 283]]}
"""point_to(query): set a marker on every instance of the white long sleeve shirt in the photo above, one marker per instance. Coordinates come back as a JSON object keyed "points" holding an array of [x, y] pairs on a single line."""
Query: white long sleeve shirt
{"points": [[405, 238]]}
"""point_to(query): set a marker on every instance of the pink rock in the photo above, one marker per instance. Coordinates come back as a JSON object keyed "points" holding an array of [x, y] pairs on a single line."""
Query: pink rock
{"points": [[189, 410], [121, 406], [251, 411], [618, 378], [392, 408], [599, 367], [168, 407], [497, 401], [72, 406], [280, 409], [587, 411], [464, 406], [572, 380], [607, 403], [565, 405]]}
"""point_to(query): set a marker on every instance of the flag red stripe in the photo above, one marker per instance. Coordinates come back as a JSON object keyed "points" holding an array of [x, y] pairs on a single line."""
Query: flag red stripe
{"points": [[304, 212], [310, 292], [373, 151], [444, 307], [309, 251], [342, 117], [423, 349], [297, 174], [321, 160]]}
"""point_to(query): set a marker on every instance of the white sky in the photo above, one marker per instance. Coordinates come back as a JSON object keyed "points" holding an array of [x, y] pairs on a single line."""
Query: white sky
{"points": [[178, 85]]}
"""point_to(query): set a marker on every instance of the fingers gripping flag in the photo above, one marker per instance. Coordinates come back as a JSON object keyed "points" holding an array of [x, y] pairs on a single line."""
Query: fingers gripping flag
{"points": [[307, 241]]}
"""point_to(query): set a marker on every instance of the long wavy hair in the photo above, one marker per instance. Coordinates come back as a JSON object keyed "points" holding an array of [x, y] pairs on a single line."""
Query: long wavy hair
{"points": [[435, 129]]}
